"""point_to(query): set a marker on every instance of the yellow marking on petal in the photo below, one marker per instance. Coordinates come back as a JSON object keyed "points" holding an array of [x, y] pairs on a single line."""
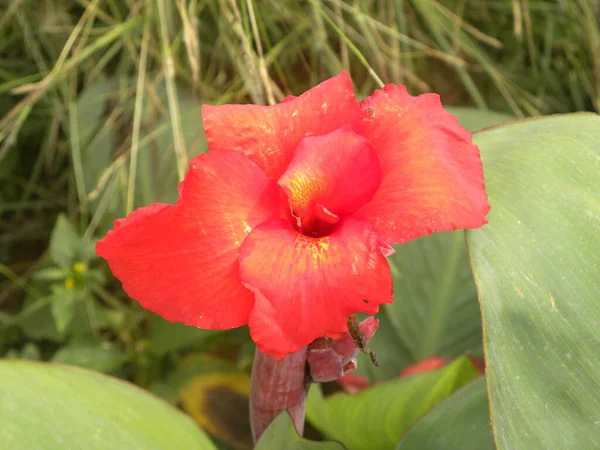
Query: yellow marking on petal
{"points": [[318, 248], [304, 188]]}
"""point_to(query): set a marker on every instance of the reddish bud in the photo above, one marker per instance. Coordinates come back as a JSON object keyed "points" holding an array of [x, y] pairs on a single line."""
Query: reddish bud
{"points": [[328, 359]]}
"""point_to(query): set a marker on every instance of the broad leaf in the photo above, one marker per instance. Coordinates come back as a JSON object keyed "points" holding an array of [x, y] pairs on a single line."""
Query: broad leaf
{"points": [[62, 306], [53, 406], [100, 356], [64, 242], [281, 434], [67, 247], [435, 310], [377, 417], [475, 119], [36, 320], [165, 337], [460, 422], [537, 268], [91, 108]]}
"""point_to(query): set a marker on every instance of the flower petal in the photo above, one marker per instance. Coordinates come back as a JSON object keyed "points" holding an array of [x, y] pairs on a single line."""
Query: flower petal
{"points": [[307, 287], [426, 365], [269, 134], [432, 177], [181, 261], [335, 173]]}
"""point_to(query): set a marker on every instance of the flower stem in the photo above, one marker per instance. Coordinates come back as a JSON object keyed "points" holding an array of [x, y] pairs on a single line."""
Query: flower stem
{"points": [[278, 385], [282, 384]]}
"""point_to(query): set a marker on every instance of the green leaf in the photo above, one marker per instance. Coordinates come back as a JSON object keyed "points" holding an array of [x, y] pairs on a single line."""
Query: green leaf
{"points": [[165, 337], [281, 434], [157, 159], [96, 138], [475, 119], [50, 406], [64, 242], [10, 161], [62, 307], [460, 422], [87, 249], [100, 356], [91, 107], [537, 269], [31, 352], [392, 353], [435, 310], [187, 368], [37, 322], [50, 274], [377, 417]]}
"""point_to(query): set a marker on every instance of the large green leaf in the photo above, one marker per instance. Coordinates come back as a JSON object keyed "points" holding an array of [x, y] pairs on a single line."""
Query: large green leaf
{"points": [[96, 355], [49, 406], [461, 422], [435, 310], [537, 268], [165, 337], [474, 119], [377, 417], [281, 434]]}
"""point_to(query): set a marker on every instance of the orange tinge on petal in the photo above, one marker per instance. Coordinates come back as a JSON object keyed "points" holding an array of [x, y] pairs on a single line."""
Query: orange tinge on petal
{"points": [[431, 172]]}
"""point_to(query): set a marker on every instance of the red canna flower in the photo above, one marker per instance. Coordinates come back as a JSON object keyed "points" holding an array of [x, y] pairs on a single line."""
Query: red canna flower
{"points": [[285, 223]]}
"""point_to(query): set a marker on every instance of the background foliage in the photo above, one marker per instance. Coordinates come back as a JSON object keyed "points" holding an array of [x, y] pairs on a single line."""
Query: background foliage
{"points": [[100, 111]]}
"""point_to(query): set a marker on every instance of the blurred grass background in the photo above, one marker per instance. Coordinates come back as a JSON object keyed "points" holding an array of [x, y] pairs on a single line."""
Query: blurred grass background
{"points": [[100, 112]]}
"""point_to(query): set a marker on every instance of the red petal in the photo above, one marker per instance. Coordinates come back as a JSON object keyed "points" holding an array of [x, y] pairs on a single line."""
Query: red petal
{"points": [[181, 261], [307, 287], [479, 364], [427, 365], [338, 172], [269, 134], [352, 383], [432, 178]]}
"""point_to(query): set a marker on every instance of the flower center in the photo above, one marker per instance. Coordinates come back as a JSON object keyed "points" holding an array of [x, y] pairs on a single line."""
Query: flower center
{"points": [[329, 177]]}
